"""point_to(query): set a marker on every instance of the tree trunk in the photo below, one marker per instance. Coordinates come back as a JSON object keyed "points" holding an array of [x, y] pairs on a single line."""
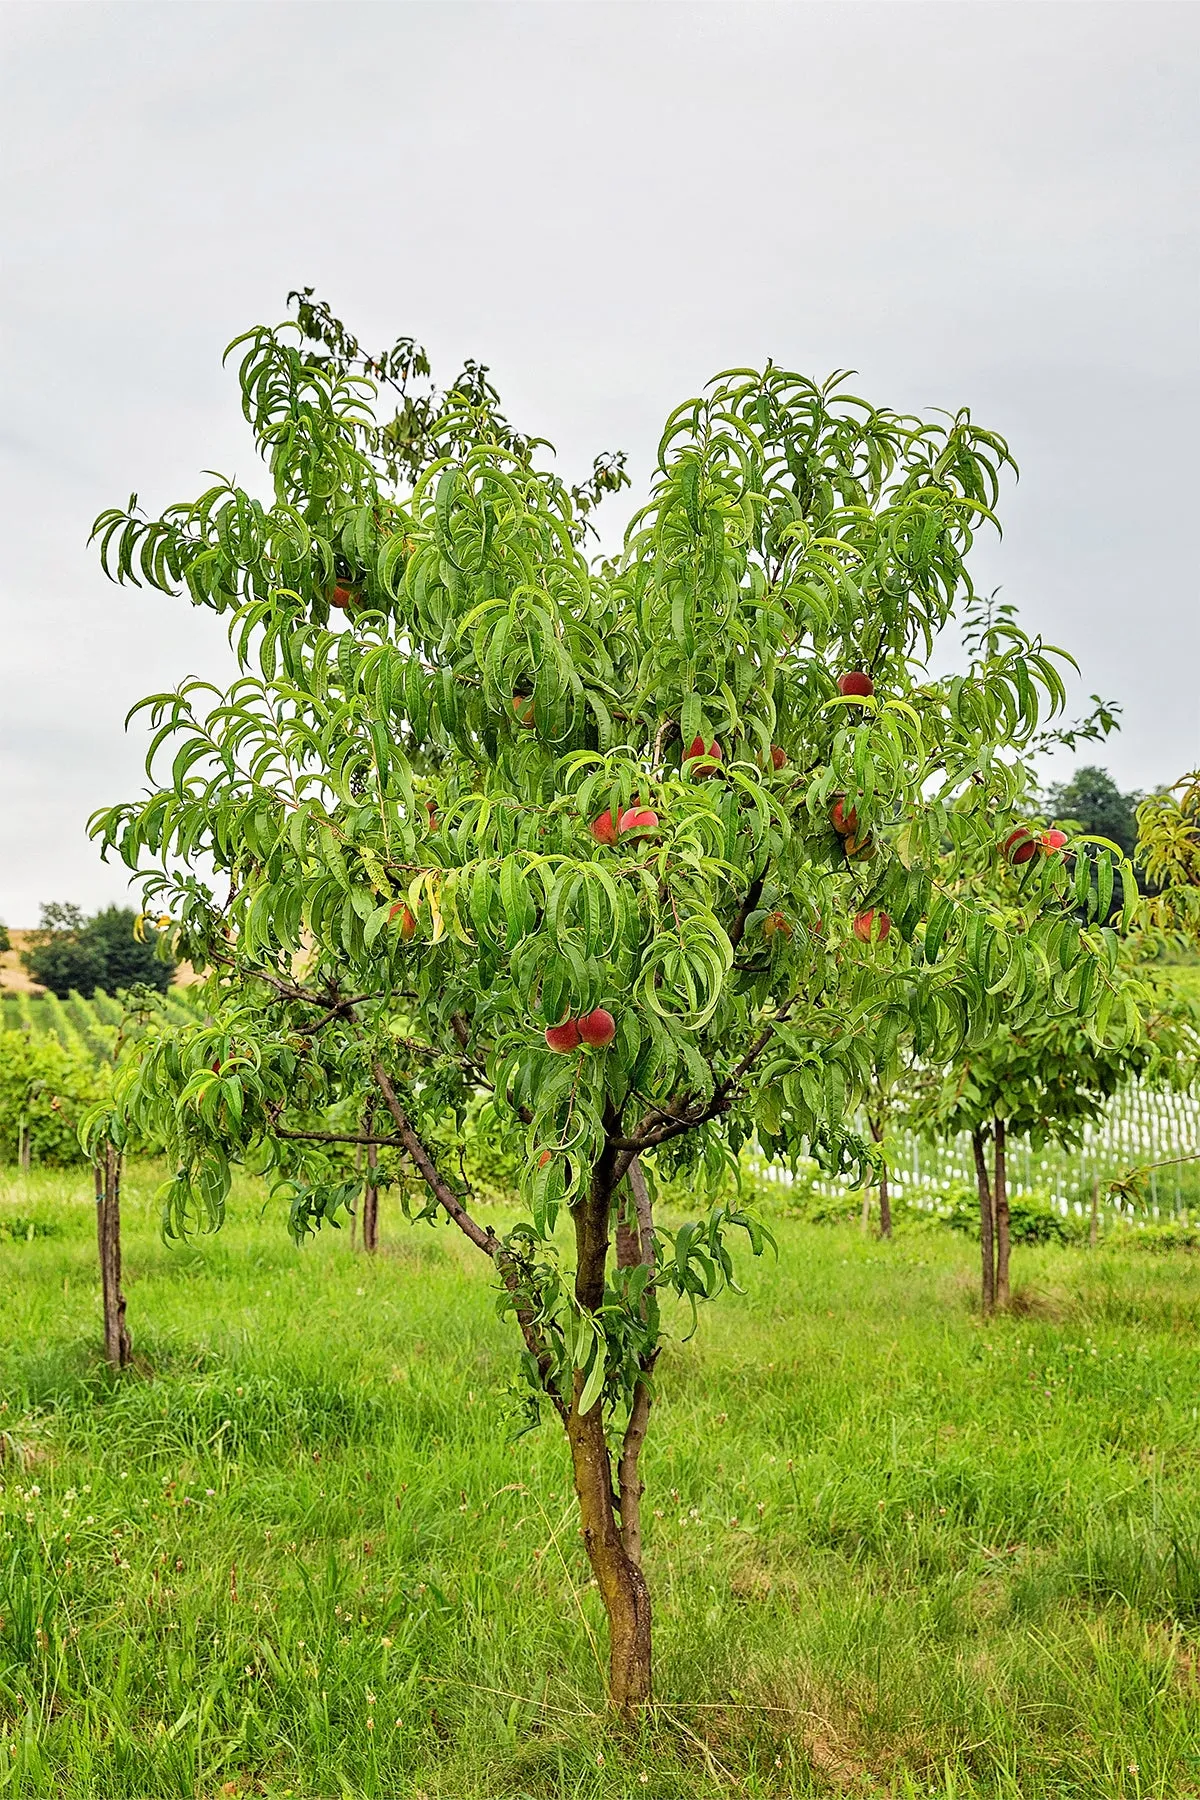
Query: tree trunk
{"points": [[621, 1582], [1000, 1206], [885, 1207], [987, 1251], [1094, 1227], [117, 1347], [358, 1155], [618, 1575], [370, 1229], [635, 1245], [885, 1199]]}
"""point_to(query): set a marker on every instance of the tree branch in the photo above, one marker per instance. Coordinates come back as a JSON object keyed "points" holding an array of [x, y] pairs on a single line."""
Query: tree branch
{"points": [[737, 930], [443, 1193], [641, 1248], [629, 1483], [337, 1137], [287, 990], [333, 1004], [648, 1135], [487, 1241], [461, 1031]]}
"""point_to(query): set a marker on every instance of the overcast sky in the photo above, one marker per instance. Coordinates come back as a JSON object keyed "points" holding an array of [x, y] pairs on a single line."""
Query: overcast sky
{"points": [[969, 204]]}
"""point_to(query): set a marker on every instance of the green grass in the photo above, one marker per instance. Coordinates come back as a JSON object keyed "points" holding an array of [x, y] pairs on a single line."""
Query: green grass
{"points": [[297, 1550]]}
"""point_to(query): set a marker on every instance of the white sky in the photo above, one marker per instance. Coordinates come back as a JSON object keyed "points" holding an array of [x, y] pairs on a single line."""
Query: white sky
{"points": [[967, 203]]}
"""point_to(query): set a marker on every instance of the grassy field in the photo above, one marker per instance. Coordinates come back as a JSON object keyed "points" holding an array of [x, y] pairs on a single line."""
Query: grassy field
{"points": [[298, 1552]]}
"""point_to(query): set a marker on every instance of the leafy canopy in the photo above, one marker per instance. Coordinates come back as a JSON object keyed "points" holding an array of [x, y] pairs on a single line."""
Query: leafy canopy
{"points": [[380, 840], [44, 1093], [1050, 1078], [1169, 852]]}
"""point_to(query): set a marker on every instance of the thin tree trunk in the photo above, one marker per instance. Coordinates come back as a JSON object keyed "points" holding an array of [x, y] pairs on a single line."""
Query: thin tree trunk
{"points": [[117, 1348], [885, 1207], [370, 1230], [358, 1156], [635, 1246], [987, 1252], [618, 1575], [635, 1235], [630, 1486], [885, 1199], [1094, 1227], [1000, 1207], [629, 1248]]}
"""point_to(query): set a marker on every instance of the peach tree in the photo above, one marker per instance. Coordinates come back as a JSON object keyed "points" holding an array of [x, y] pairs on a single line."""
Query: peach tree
{"points": [[654, 853], [1168, 849]]}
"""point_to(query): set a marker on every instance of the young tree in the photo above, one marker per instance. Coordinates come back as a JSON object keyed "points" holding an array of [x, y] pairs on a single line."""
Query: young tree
{"points": [[606, 844], [1168, 850], [44, 1091], [1044, 1081], [106, 1175], [46, 1094]]}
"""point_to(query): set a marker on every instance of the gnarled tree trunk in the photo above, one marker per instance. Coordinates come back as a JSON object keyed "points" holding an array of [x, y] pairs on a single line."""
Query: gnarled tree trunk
{"points": [[117, 1347], [620, 1580], [987, 1248]]}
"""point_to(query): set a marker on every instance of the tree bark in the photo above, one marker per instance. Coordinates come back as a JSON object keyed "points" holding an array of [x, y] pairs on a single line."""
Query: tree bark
{"points": [[618, 1574], [620, 1581], [635, 1246], [885, 1207], [370, 1222], [987, 1252], [1000, 1207], [635, 1234], [358, 1156], [885, 1199], [117, 1347], [630, 1486]]}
